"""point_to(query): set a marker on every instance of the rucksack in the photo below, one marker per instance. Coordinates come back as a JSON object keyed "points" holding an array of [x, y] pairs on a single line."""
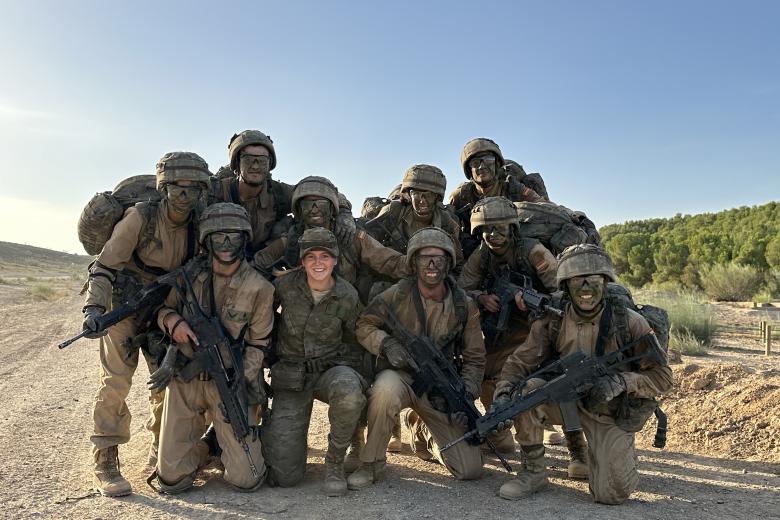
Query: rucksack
{"points": [[105, 209], [555, 226], [532, 180]]}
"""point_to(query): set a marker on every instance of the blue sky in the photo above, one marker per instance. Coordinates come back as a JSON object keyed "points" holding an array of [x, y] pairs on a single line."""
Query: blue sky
{"points": [[628, 109]]}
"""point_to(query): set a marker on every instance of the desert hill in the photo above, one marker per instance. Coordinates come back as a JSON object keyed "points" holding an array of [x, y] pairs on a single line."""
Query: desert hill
{"points": [[23, 260]]}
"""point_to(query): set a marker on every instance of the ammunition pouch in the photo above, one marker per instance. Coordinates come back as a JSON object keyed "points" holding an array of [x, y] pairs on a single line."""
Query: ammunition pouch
{"points": [[633, 413]]}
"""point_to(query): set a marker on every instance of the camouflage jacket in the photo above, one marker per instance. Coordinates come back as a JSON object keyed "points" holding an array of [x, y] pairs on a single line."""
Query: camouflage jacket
{"points": [[308, 330], [467, 193], [364, 250]]}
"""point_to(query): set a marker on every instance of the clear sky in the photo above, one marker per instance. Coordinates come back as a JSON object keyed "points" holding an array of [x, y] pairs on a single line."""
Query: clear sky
{"points": [[628, 109]]}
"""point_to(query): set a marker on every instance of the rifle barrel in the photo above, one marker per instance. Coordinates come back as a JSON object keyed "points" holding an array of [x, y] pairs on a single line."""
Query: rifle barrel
{"points": [[67, 342]]}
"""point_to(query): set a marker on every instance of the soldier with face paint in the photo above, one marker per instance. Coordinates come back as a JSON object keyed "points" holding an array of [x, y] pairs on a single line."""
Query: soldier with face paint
{"points": [[150, 240], [483, 166], [583, 272], [429, 304], [495, 220], [247, 181], [315, 203], [224, 286]]}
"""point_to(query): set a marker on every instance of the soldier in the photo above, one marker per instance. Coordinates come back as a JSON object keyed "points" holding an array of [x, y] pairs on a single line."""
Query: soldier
{"points": [[502, 247], [247, 181], [315, 202], [151, 239], [424, 187], [420, 206], [431, 304], [483, 164], [317, 357], [583, 272], [223, 285]]}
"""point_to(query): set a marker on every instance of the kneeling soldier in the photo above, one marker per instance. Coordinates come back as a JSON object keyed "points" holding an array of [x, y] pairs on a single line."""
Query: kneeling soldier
{"points": [[428, 304], [590, 326], [317, 356], [222, 287]]}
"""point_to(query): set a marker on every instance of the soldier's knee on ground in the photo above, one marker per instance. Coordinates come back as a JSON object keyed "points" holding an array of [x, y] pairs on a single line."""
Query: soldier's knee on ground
{"points": [[171, 487], [287, 475], [246, 482], [385, 394], [348, 396], [470, 468]]}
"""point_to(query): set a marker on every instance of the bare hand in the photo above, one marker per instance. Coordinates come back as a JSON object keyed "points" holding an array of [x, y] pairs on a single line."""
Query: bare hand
{"points": [[182, 333], [490, 302]]}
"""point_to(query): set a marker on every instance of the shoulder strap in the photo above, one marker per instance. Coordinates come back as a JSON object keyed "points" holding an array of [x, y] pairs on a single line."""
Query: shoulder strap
{"points": [[605, 324], [281, 202], [148, 211], [232, 191], [620, 315]]}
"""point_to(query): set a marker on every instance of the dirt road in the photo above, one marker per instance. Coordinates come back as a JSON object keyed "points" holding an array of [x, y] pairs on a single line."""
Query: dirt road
{"points": [[44, 441]]}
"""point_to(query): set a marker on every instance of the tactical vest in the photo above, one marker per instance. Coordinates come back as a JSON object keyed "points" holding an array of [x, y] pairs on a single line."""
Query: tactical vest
{"points": [[520, 263]]}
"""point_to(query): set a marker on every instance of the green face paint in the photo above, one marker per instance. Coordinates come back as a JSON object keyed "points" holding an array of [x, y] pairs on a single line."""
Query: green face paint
{"points": [[587, 293], [431, 269]]}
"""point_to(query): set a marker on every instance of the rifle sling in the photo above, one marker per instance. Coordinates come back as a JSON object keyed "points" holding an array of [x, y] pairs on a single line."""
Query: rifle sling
{"points": [[605, 324]]}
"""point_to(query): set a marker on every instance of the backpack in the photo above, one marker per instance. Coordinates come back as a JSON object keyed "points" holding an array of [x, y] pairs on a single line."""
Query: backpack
{"points": [[105, 209], [532, 180], [556, 227]]}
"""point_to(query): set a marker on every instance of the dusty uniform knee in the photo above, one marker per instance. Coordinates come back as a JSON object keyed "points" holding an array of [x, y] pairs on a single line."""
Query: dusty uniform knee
{"points": [[386, 392], [347, 394]]}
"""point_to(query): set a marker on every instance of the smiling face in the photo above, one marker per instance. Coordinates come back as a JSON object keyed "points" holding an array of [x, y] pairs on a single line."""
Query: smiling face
{"points": [[484, 168], [586, 292], [254, 164], [318, 264], [496, 237], [431, 265], [315, 211], [422, 202]]}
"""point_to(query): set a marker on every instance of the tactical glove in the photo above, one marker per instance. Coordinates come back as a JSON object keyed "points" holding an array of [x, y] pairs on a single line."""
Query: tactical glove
{"points": [[499, 401], [90, 323], [397, 355], [345, 227], [162, 377], [606, 388], [460, 419]]}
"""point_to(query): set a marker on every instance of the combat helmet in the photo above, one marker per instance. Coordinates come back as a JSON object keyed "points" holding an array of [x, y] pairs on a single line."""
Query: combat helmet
{"points": [[182, 166], [246, 138], [514, 169], [395, 193], [424, 177], [479, 145], [429, 237], [319, 187], [492, 211], [584, 260], [223, 217], [318, 238]]}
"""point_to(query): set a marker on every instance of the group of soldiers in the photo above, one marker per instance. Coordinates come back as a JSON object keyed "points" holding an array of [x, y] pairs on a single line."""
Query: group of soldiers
{"points": [[303, 289]]}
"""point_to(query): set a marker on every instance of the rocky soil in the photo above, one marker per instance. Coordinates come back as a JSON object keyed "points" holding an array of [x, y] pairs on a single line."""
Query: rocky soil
{"points": [[722, 459]]}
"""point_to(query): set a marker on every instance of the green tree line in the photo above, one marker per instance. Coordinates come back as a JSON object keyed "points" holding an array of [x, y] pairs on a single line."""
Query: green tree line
{"points": [[677, 250]]}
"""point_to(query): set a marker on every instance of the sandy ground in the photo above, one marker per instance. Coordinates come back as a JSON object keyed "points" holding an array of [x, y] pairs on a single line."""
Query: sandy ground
{"points": [[44, 438]]}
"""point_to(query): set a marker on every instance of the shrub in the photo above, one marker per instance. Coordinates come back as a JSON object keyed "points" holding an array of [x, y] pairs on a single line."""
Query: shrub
{"points": [[686, 343], [43, 292], [731, 282], [688, 314]]}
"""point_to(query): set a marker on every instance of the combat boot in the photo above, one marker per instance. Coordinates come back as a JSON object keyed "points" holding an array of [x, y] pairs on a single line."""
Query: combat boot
{"points": [[412, 423], [367, 474], [335, 484], [352, 461], [578, 455], [108, 480], [395, 444], [531, 478], [552, 437]]}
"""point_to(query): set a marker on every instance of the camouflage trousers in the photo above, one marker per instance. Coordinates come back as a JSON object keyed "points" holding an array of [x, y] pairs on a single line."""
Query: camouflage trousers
{"points": [[612, 466], [117, 366], [188, 409], [285, 432], [392, 392]]}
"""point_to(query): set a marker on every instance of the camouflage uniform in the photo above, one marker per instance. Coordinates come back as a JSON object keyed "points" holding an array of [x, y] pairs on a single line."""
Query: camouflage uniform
{"points": [[452, 323], [136, 253], [317, 359], [527, 257], [353, 254], [612, 470], [268, 209]]}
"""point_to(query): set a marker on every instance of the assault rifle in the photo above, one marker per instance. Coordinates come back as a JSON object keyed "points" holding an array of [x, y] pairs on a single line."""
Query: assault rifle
{"points": [[212, 341], [574, 375], [506, 284], [436, 372], [151, 295]]}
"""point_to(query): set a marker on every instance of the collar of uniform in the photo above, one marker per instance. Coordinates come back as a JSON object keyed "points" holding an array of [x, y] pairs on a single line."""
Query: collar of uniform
{"points": [[163, 213], [572, 315], [236, 279], [408, 216], [338, 289]]}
